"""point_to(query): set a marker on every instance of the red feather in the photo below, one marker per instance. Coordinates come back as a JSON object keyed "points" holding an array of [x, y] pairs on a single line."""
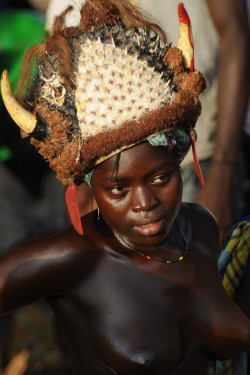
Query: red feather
{"points": [[71, 202]]}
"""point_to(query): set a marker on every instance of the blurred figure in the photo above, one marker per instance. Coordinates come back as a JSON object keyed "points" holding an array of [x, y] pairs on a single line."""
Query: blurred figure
{"points": [[245, 154], [31, 198], [39, 5], [40, 198]]}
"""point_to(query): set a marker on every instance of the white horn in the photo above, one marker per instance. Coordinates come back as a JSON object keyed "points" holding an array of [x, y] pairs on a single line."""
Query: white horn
{"points": [[185, 42], [23, 118]]}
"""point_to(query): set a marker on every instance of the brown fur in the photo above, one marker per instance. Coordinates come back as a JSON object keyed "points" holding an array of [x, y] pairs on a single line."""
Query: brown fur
{"points": [[62, 154], [174, 59], [100, 12], [192, 82], [25, 79]]}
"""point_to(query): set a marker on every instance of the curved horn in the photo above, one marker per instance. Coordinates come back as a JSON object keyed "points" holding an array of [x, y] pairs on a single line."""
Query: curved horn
{"points": [[185, 42], [23, 118]]}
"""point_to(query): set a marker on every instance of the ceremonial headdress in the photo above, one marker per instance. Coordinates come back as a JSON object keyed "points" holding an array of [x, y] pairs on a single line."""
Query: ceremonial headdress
{"points": [[107, 85]]}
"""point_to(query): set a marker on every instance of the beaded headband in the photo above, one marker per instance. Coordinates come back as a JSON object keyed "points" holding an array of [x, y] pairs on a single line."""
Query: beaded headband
{"points": [[105, 86]]}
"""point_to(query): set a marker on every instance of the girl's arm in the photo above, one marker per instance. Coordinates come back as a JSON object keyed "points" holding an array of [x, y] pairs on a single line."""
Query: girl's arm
{"points": [[33, 270]]}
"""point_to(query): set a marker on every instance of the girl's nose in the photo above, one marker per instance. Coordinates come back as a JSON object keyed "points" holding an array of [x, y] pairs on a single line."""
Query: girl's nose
{"points": [[144, 199]]}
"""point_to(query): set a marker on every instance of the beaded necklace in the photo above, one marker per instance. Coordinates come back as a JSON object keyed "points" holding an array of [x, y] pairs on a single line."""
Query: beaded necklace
{"points": [[121, 239]]}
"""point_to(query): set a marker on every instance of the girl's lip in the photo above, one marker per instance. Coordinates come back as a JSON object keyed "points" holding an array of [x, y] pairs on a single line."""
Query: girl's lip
{"points": [[149, 229]]}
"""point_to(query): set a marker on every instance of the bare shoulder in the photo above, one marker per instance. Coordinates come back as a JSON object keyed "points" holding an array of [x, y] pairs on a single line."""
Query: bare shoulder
{"points": [[46, 265], [201, 226], [58, 244], [196, 211]]}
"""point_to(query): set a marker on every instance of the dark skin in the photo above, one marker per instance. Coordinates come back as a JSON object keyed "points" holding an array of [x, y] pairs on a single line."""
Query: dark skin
{"points": [[121, 313]]}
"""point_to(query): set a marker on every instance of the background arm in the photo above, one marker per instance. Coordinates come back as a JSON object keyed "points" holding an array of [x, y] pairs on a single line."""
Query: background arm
{"points": [[230, 20]]}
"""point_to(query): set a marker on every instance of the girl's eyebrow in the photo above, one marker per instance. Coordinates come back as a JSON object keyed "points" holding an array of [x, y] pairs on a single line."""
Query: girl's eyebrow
{"points": [[153, 171], [112, 179], [157, 169]]}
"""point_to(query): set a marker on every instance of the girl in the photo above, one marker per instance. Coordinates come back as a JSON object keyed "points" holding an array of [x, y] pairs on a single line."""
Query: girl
{"points": [[139, 291]]}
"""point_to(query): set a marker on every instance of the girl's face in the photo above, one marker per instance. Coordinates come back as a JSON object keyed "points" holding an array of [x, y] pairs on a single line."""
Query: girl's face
{"points": [[142, 199]]}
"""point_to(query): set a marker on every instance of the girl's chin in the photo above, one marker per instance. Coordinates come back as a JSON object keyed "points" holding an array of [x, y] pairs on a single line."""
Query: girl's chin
{"points": [[141, 241]]}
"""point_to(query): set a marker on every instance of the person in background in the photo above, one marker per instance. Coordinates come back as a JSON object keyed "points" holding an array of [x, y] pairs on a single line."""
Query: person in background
{"points": [[21, 190], [245, 154], [31, 199]]}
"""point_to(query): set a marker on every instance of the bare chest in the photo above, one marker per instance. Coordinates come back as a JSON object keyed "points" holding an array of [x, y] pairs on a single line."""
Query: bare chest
{"points": [[132, 321]]}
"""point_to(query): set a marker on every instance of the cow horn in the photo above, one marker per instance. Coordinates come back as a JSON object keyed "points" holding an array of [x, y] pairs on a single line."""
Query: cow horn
{"points": [[185, 42], [23, 118]]}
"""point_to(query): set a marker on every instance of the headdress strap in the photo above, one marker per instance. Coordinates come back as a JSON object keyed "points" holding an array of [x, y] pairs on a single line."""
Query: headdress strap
{"points": [[71, 202], [195, 157]]}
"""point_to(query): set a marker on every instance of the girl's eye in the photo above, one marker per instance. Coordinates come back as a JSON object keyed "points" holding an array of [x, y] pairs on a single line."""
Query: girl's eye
{"points": [[116, 190], [164, 178]]}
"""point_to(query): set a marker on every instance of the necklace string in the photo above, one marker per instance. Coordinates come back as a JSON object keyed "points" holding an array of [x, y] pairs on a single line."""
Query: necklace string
{"points": [[121, 239]]}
